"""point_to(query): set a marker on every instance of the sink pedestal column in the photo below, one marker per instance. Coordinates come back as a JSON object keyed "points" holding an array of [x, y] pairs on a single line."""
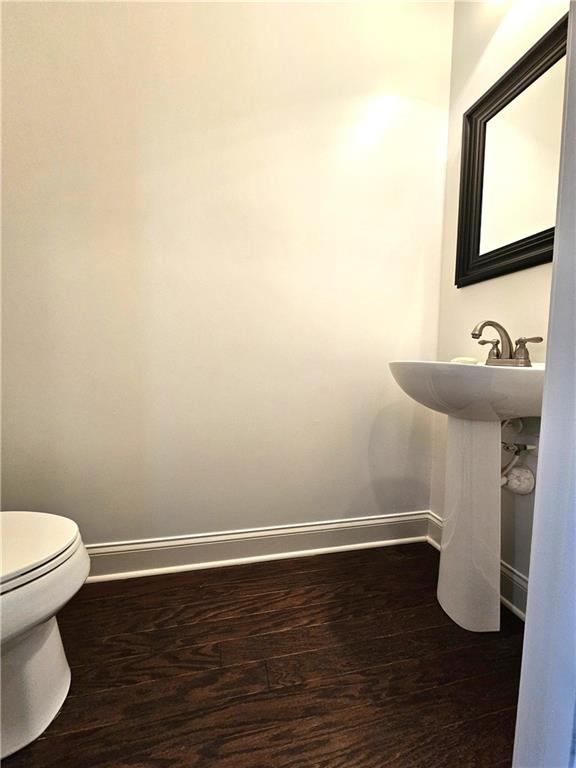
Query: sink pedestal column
{"points": [[469, 579]]}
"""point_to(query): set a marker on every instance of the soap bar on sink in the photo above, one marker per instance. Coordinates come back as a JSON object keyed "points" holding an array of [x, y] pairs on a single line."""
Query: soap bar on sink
{"points": [[465, 360]]}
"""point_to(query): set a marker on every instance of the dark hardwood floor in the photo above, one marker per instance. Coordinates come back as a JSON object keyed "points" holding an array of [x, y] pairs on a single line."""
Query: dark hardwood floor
{"points": [[336, 661]]}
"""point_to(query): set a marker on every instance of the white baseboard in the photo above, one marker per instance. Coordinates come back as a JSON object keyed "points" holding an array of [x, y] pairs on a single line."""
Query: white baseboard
{"points": [[434, 529], [146, 557], [513, 589], [129, 559]]}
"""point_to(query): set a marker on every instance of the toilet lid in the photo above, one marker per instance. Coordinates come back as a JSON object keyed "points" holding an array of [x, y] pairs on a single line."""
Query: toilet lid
{"points": [[31, 539]]}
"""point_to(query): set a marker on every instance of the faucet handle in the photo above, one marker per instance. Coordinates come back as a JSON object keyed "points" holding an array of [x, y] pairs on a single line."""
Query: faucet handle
{"points": [[494, 353], [523, 340], [521, 352]]}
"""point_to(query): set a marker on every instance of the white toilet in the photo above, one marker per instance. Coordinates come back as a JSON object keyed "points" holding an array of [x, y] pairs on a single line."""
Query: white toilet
{"points": [[44, 563]]}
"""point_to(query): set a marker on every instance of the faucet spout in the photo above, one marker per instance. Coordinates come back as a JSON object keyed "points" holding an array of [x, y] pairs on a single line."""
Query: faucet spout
{"points": [[505, 340]]}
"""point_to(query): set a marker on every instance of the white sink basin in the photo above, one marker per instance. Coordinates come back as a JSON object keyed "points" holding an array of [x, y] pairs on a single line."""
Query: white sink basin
{"points": [[474, 392]]}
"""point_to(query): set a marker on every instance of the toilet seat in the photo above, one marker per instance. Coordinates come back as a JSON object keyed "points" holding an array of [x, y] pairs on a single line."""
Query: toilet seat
{"points": [[33, 544]]}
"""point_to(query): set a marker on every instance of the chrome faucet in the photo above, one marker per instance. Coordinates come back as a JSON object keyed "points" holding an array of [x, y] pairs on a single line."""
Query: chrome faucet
{"points": [[504, 355]]}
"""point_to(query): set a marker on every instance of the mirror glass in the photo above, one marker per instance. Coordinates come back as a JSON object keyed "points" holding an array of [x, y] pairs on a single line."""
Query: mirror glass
{"points": [[521, 164]]}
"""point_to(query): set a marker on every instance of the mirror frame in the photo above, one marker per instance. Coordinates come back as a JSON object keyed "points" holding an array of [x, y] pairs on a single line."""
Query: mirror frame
{"points": [[471, 265]]}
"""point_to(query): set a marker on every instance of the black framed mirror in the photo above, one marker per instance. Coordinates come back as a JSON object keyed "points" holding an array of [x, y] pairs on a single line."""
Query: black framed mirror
{"points": [[509, 166]]}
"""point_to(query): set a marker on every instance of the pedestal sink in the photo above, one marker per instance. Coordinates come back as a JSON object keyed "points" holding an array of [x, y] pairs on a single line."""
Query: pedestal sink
{"points": [[476, 399]]}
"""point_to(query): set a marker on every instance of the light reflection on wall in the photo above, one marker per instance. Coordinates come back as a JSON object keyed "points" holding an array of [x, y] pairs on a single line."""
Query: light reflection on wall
{"points": [[374, 120], [523, 12]]}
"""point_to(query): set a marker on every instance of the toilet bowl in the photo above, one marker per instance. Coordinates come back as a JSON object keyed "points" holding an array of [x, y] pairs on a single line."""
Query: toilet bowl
{"points": [[44, 563]]}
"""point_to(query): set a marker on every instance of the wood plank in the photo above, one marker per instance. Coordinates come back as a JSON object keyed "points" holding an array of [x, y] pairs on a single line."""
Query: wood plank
{"points": [[300, 583], [476, 743], [375, 572], [160, 663], [295, 641], [263, 726], [144, 668], [111, 622], [193, 693], [416, 555], [286, 671], [110, 649], [145, 703]]}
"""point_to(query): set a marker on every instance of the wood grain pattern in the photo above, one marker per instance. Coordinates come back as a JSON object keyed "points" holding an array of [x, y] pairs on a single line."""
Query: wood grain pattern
{"points": [[480, 741], [122, 646], [308, 725], [294, 665], [145, 668], [367, 626], [350, 656], [161, 699], [209, 606], [419, 556]]}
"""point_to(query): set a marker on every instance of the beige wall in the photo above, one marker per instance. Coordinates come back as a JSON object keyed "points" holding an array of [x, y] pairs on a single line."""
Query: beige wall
{"points": [[221, 222], [488, 39]]}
